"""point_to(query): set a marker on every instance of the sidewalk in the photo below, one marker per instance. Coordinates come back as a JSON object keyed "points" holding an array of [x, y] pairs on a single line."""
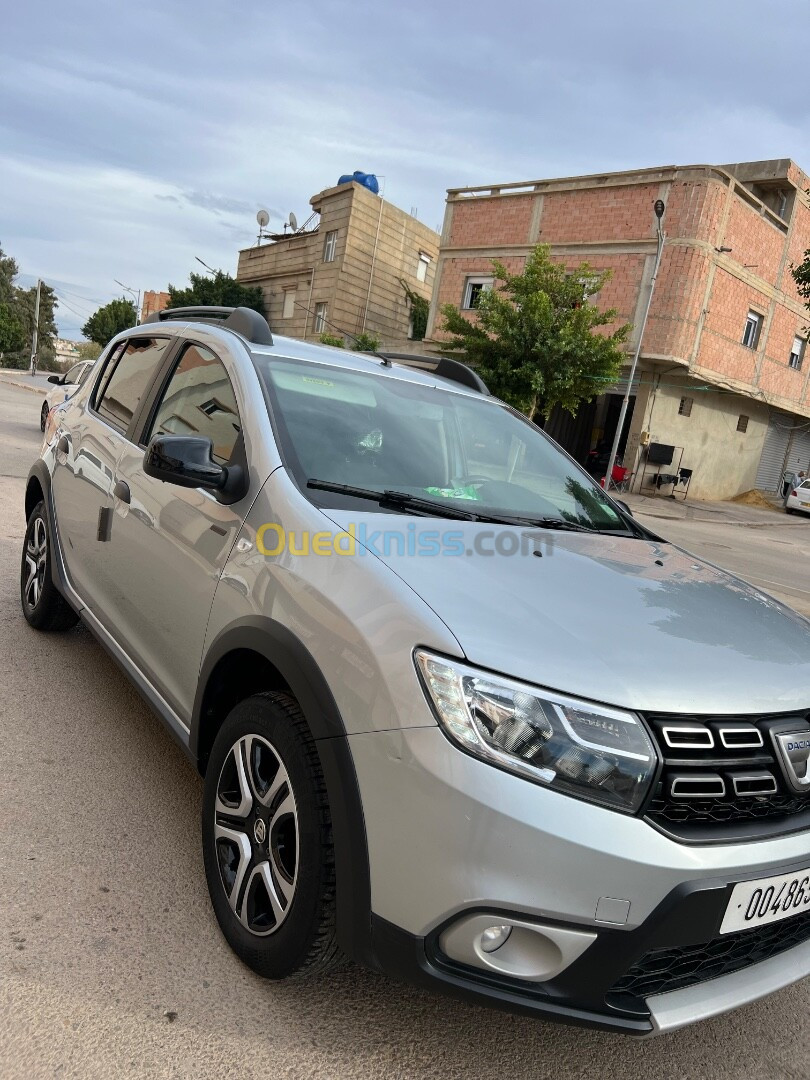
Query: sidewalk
{"points": [[16, 377], [720, 513]]}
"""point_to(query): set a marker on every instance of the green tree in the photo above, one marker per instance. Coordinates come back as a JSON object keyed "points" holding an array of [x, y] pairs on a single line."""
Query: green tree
{"points": [[366, 342], [420, 308], [333, 340], [537, 341], [220, 290], [17, 307], [25, 305], [89, 350], [109, 320], [12, 335], [801, 275]]}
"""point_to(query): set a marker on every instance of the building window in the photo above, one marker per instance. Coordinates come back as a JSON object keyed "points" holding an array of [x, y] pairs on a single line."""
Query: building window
{"points": [[289, 304], [753, 328], [422, 266], [797, 353], [330, 246], [742, 424], [319, 325], [473, 288], [685, 407]]}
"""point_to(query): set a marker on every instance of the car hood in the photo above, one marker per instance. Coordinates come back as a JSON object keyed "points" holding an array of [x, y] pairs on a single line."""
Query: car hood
{"points": [[635, 623]]}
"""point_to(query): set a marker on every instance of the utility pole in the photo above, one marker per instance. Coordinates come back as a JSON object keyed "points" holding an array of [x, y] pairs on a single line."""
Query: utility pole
{"points": [[34, 339], [137, 296], [659, 208]]}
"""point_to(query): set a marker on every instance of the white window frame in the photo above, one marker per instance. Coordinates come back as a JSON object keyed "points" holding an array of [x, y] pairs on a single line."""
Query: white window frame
{"points": [[486, 281], [797, 353], [422, 266], [319, 322], [755, 320], [330, 246], [288, 307]]}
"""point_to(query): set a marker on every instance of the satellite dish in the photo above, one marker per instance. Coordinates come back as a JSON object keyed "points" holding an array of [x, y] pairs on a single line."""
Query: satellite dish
{"points": [[263, 218], [293, 221]]}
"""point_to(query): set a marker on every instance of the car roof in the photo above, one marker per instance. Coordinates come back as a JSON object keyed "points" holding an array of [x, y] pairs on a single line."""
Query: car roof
{"points": [[289, 348]]}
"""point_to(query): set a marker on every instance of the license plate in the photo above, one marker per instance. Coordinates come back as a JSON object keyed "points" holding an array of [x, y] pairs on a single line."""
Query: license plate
{"points": [[754, 903]]}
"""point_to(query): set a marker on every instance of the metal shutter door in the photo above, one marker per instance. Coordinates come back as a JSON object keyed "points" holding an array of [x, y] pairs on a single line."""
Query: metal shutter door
{"points": [[798, 457], [772, 462]]}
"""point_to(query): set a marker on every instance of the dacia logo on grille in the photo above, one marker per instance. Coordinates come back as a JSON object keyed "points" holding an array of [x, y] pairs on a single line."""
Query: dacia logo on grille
{"points": [[794, 753]]}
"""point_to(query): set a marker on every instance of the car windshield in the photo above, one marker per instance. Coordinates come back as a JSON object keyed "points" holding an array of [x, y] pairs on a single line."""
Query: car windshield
{"points": [[379, 432]]}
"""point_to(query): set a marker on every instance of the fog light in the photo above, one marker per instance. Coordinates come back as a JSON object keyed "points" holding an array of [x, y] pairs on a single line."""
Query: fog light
{"points": [[493, 937]]}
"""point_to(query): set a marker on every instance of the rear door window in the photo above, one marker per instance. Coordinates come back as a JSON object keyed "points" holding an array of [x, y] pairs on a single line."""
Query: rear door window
{"points": [[127, 378]]}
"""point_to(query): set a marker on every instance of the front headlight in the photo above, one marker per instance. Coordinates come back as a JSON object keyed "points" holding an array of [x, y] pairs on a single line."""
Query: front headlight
{"points": [[590, 751]]}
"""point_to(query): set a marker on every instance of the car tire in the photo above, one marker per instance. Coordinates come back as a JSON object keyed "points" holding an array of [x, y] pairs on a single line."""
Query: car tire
{"points": [[43, 605], [43, 416], [789, 510], [267, 841]]}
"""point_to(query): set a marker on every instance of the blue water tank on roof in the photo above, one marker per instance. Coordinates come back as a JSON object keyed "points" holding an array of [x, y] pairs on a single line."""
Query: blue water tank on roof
{"points": [[368, 180]]}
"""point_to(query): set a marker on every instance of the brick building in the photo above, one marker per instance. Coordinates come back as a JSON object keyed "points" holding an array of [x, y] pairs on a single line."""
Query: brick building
{"points": [[152, 302], [722, 377], [345, 272]]}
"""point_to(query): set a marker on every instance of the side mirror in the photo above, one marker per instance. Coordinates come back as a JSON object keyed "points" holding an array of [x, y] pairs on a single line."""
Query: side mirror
{"points": [[186, 460], [57, 380], [624, 506]]}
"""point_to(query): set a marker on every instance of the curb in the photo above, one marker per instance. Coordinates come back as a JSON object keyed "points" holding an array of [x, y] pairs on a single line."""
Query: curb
{"points": [[23, 386]]}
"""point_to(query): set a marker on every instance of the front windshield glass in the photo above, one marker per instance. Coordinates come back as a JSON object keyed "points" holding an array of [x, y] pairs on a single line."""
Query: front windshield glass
{"points": [[381, 432]]}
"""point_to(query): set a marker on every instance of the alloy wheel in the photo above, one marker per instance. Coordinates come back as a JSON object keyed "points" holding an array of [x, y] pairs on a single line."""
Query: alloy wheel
{"points": [[256, 835], [36, 559]]}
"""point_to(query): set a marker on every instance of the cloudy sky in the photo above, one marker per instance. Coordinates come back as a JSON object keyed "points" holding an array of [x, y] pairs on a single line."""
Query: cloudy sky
{"points": [[136, 137]]}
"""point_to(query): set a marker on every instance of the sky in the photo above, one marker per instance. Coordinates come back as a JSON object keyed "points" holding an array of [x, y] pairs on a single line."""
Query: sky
{"points": [[134, 138]]}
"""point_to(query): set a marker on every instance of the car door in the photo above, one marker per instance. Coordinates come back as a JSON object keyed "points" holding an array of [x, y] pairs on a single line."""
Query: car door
{"points": [[169, 544], [92, 433]]}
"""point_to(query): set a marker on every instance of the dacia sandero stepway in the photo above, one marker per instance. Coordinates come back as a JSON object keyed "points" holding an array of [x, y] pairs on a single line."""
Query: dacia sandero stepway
{"points": [[459, 716]]}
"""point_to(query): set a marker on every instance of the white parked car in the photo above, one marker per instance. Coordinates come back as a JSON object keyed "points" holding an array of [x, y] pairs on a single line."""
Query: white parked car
{"points": [[65, 385], [798, 499]]}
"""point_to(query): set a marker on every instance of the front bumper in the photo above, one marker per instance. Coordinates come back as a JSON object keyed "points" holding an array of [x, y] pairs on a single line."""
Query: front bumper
{"points": [[450, 836]]}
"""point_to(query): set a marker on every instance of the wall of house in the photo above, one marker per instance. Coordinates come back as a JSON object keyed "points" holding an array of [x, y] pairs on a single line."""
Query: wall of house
{"points": [[377, 245], [724, 460], [702, 295]]}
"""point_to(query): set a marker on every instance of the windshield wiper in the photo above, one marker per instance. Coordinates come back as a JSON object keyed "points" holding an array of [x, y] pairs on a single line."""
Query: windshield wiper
{"points": [[403, 500]]}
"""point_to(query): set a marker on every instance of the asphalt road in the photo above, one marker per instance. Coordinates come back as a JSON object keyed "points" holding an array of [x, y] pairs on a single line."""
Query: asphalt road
{"points": [[111, 964]]}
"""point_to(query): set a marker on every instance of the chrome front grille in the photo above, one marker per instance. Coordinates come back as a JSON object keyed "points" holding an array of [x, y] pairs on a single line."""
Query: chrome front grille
{"points": [[723, 779]]}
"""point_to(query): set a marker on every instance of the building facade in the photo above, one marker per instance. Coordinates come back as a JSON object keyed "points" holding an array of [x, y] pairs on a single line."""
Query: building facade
{"points": [[66, 352], [723, 379], [349, 272], [152, 302]]}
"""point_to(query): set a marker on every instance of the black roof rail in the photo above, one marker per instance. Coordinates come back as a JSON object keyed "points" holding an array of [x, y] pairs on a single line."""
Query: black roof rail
{"points": [[242, 320], [442, 366]]}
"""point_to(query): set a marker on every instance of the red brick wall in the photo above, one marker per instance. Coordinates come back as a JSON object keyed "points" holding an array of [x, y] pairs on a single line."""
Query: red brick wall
{"points": [[702, 214], [502, 220]]}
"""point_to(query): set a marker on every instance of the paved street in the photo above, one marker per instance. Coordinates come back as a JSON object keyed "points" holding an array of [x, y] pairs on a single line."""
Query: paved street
{"points": [[110, 960]]}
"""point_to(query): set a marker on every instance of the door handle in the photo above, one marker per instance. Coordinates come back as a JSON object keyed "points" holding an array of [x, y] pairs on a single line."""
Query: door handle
{"points": [[63, 445], [121, 491]]}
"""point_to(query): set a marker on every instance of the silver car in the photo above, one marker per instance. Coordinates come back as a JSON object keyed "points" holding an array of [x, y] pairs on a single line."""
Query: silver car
{"points": [[459, 716], [66, 385]]}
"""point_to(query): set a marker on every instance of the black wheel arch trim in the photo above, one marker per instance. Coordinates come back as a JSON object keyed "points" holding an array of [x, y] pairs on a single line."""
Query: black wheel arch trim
{"points": [[296, 665]]}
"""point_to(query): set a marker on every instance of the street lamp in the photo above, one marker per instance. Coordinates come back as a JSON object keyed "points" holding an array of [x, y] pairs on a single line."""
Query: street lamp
{"points": [[659, 208], [210, 269], [137, 296]]}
